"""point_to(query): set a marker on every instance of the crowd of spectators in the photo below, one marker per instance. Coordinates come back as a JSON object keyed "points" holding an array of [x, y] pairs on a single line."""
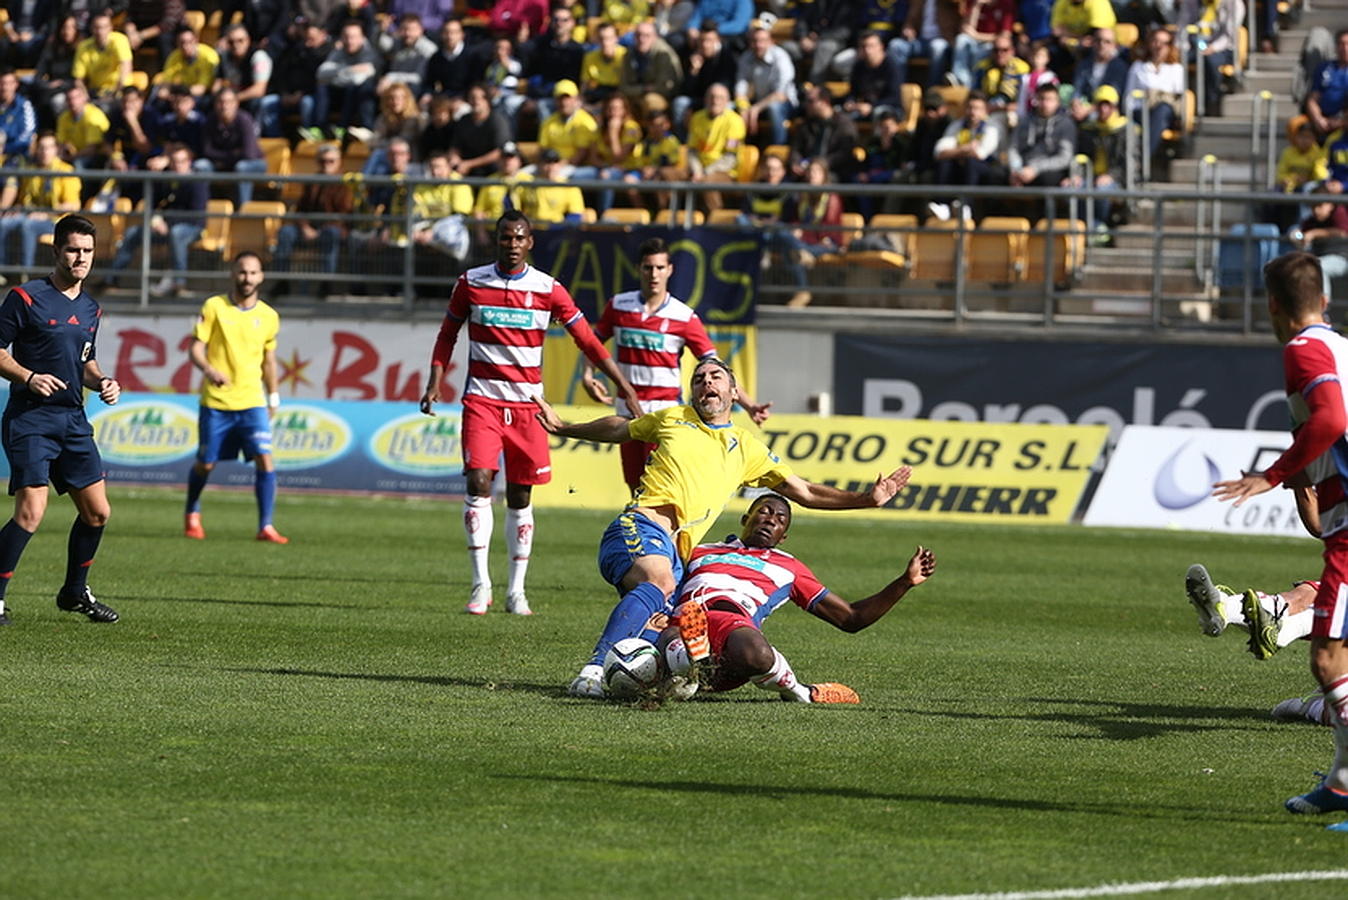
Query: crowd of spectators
{"points": [[622, 92]]}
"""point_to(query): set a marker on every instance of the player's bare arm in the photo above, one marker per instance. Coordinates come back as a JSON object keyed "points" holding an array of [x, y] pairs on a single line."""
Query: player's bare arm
{"points": [[432, 395], [211, 373], [624, 388], [40, 383], [1252, 484], [606, 429], [822, 496], [759, 412], [109, 391], [853, 617], [270, 381], [594, 388], [1308, 508]]}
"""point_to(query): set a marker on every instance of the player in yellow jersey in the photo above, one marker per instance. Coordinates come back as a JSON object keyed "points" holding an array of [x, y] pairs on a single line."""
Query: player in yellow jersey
{"points": [[234, 346], [700, 460]]}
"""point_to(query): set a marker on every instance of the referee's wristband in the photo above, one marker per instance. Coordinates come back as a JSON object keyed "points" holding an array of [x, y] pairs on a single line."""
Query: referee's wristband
{"points": [[273, 400], [28, 382]]}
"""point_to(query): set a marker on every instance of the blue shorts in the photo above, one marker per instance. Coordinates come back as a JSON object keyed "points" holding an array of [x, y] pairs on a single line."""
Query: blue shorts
{"points": [[224, 433], [630, 536], [50, 443]]}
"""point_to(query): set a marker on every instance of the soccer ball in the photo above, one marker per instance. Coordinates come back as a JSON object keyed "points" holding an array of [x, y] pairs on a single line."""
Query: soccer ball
{"points": [[631, 667]]}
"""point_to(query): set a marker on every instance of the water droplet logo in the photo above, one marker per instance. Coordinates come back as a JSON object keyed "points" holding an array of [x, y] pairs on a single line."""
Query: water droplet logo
{"points": [[1168, 491]]}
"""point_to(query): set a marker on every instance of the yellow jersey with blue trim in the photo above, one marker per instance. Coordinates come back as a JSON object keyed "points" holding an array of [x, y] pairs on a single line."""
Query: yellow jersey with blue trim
{"points": [[696, 468], [236, 341]]}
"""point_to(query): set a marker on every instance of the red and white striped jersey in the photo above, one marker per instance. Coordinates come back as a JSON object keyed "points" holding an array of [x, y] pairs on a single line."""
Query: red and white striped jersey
{"points": [[756, 579], [1316, 356], [649, 345], [508, 316]]}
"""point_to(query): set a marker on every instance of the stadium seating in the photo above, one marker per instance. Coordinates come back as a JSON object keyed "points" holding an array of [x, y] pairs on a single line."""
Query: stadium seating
{"points": [[216, 237], [748, 163], [997, 250], [898, 228], [111, 225], [723, 217], [255, 226], [954, 95], [676, 219], [933, 250], [910, 96], [1069, 250], [623, 216]]}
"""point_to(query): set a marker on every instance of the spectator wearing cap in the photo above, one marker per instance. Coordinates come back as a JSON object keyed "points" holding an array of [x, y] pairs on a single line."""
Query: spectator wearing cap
{"points": [[549, 57], [452, 68], [711, 62], [229, 142], [1043, 144], [557, 202], [571, 130], [191, 65], [929, 31], [984, 20], [408, 55], [244, 68], [715, 133], [504, 192], [478, 137], [1327, 102], [1105, 67], [999, 76], [651, 67], [823, 133], [347, 80], [823, 29], [1104, 141], [294, 82], [323, 210], [765, 86], [875, 79]]}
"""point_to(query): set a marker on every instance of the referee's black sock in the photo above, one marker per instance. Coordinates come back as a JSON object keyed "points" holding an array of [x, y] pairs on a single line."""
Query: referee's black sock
{"points": [[12, 541], [80, 556]]}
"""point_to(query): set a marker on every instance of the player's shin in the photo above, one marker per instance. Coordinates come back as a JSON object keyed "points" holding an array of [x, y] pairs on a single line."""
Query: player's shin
{"points": [[782, 679], [629, 617], [196, 483], [477, 525], [1336, 698], [13, 540], [264, 488], [519, 543], [80, 552]]}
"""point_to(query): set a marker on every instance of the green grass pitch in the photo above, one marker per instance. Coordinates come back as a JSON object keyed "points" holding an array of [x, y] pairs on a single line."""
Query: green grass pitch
{"points": [[323, 720]]}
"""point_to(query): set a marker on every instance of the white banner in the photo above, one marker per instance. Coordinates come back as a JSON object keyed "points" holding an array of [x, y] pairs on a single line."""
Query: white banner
{"points": [[1162, 478], [328, 359]]}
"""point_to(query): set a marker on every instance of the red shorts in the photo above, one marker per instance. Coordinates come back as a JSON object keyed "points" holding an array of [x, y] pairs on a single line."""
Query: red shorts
{"points": [[1331, 601], [719, 625], [489, 429], [634, 455]]}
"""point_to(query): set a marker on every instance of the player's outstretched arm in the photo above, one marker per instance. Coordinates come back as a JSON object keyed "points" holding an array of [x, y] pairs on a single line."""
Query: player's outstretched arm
{"points": [[605, 430], [822, 496], [759, 412], [853, 617], [1252, 484], [594, 387]]}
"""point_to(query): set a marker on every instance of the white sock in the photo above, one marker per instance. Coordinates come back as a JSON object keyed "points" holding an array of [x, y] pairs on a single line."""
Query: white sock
{"points": [[781, 679], [1336, 698], [1231, 609], [519, 544], [1315, 710], [1296, 626], [477, 524]]}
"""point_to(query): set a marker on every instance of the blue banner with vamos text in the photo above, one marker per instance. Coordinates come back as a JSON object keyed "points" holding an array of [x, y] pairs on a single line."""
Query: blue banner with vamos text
{"points": [[715, 271], [323, 445]]}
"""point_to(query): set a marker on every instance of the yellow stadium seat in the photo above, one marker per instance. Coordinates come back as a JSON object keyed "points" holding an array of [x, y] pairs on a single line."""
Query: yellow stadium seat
{"points": [[997, 250], [1125, 33], [276, 150], [897, 227], [723, 217], [195, 19], [781, 151], [783, 29], [111, 225], [255, 226], [1069, 249], [215, 238], [954, 95], [623, 216], [140, 80], [837, 89], [933, 250], [528, 151], [910, 95], [853, 224], [676, 218], [747, 167]]}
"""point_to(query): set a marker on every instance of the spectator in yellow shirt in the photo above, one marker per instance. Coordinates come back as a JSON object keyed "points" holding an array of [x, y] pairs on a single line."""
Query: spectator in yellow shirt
{"points": [[1303, 163], [192, 65], [558, 203], [570, 130], [1074, 23], [103, 61], [601, 68], [81, 128], [492, 199], [32, 204], [715, 133], [440, 209]]}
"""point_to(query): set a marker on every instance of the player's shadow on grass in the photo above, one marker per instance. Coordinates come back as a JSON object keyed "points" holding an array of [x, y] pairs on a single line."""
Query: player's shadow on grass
{"points": [[765, 791], [1117, 720], [546, 690]]}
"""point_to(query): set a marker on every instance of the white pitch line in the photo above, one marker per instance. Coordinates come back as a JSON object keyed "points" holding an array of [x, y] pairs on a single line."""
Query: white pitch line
{"points": [[1142, 887]]}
